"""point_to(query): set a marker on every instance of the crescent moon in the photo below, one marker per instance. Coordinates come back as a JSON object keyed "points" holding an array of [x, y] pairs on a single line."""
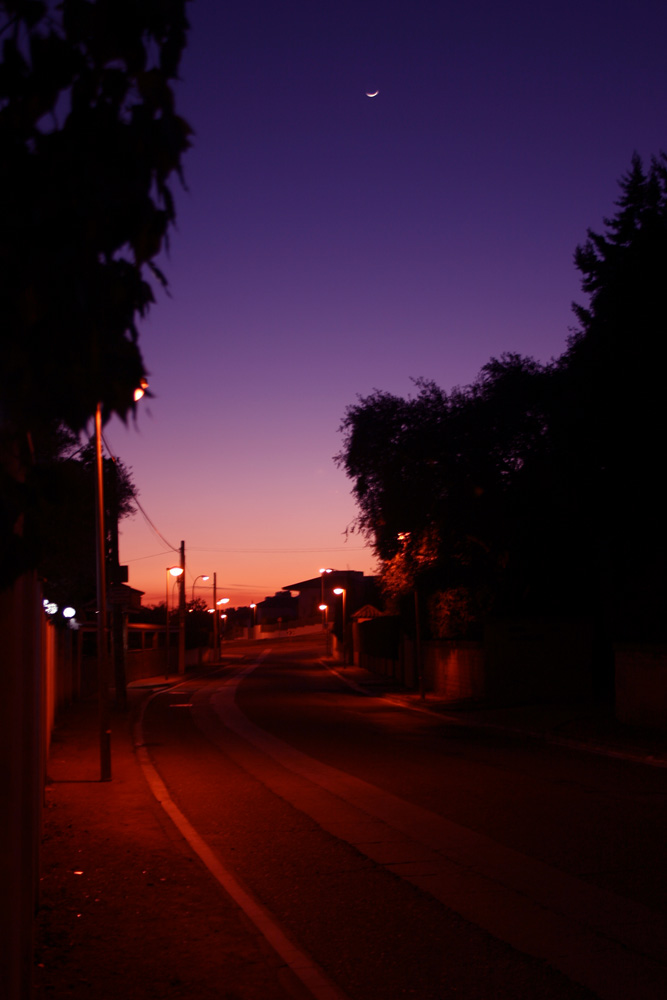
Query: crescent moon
{"points": [[373, 94]]}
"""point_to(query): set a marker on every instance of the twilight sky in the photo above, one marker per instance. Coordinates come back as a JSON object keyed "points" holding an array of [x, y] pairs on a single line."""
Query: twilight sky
{"points": [[329, 244]]}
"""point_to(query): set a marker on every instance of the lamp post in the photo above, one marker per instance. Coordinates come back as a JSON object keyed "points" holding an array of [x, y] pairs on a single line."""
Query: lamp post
{"points": [[223, 600], [324, 608], [341, 591], [102, 667], [253, 608], [322, 572], [202, 576], [216, 616], [172, 571], [101, 582]]}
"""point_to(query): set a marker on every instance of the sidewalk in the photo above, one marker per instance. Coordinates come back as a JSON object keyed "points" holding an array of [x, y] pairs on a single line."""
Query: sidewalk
{"points": [[592, 728], [127, 910]]}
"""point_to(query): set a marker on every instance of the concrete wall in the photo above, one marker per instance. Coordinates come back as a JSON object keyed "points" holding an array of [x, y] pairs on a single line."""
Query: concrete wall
{"points": [[519, 661], [454, 671], [22, 761]]}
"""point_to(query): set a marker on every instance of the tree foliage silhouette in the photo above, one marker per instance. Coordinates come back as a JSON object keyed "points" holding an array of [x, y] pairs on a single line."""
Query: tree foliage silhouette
{"points": [[89, 139], [613, 416], [89, 143], [535, 490]]}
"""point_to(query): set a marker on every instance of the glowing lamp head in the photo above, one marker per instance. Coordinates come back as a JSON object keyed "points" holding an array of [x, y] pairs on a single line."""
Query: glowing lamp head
{"points": [[339, 590], [323, 607], [175, 570], [140, 390]]}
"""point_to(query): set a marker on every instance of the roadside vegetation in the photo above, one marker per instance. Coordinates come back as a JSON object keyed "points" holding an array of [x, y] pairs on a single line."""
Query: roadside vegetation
{"points": [[536, 489]]}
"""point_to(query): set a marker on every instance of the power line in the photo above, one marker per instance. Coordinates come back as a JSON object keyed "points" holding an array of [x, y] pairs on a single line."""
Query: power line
{"points": [[150, 523], [283, 552], [136, 501]]}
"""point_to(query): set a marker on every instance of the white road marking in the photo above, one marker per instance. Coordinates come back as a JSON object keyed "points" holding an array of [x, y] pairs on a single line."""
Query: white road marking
{"points": [[610, 944], [301, 964]]}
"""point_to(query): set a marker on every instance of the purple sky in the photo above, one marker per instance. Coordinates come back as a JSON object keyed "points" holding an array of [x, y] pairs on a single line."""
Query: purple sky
{"points": [[330, 243]]}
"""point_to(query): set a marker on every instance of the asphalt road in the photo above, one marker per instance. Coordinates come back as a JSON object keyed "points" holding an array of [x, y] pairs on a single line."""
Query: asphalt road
{"points": [[406, 856]]}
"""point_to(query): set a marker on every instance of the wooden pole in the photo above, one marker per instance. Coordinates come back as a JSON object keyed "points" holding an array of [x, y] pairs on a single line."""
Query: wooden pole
{"points": [[102, 670]]}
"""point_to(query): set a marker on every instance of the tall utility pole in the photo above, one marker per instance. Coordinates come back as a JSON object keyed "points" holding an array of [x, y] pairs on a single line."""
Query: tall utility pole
{"points": [[117, 576], [216, 641], [102, 659], [181, 614]]}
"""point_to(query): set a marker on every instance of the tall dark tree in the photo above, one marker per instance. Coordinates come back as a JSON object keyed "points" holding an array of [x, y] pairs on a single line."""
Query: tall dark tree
{"points": [[89, 141], [538, 486], [613, 417]]}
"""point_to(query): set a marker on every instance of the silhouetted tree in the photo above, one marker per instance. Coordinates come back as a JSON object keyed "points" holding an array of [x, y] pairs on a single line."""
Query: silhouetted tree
{"points": [[536, 489], [437, 479], [613, 420], [62, 526], [89, 140]]}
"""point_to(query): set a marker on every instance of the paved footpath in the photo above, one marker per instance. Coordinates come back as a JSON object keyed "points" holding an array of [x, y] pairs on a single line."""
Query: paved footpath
{"points": [[127, 910]]}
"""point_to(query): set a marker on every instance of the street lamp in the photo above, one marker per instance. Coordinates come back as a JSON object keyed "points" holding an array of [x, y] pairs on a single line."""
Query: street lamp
{"points": [[203, 577], [141, 389], [341, 591], [324, 608], [101, 586], [172, 571], [217, 620], [322, 572], [253, 608]]}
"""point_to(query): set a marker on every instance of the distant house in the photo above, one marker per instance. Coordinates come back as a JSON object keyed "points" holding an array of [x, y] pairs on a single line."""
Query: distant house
{"points": [[280, 607], [128, 598], [359, 590], [366, 613]]}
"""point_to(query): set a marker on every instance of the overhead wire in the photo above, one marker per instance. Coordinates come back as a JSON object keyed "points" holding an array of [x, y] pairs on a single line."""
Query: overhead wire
{"points": [[135, 499], [174, 548]]}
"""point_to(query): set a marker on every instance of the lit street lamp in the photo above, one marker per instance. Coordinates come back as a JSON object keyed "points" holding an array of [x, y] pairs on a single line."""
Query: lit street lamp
{"points": [[172, 571], [322, 572], [220, 615], [203, 577], [101, 582], [324, 608], [341, 591]]}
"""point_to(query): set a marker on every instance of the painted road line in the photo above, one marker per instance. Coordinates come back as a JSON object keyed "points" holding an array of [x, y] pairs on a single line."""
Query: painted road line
{"points": [[609, 943], [303, 967]]}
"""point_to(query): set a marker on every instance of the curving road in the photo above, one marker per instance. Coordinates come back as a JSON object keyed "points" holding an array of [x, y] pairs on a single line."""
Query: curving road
{"points": [[386, 853]]}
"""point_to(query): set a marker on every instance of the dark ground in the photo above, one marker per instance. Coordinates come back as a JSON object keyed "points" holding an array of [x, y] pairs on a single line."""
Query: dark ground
{"points": [[128, 911]]}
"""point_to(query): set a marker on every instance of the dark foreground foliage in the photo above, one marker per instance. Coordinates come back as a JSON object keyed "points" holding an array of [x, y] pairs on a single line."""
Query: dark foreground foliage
{"points": [[89, 143]]}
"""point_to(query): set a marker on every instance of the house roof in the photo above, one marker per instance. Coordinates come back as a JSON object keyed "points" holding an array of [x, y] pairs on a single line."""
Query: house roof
{"points": [[368, 611], [335, 574]]}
